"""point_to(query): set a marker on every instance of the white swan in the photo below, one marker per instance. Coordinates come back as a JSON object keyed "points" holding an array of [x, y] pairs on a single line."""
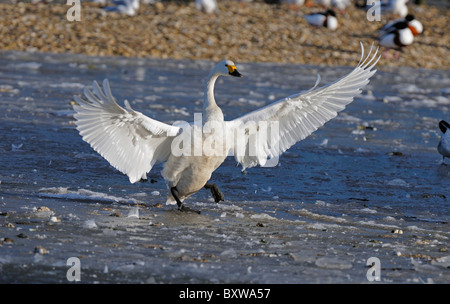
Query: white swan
{"points": [[132, 142]]}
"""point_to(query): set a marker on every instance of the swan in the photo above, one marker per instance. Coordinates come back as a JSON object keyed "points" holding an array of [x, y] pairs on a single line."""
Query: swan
{"points": [[133, 143]]}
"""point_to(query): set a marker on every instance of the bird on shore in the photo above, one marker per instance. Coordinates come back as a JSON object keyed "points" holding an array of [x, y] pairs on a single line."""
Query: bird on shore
{"points": [[394, 7], [126, 7], [390, 7], [133, 143], [399, 33], [414, 25], [207, 6], [294, 2], [444, 144], [325, 19]]}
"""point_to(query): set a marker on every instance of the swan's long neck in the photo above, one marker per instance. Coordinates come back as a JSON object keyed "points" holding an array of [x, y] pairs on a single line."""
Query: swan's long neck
{"points": [[211, 110]]}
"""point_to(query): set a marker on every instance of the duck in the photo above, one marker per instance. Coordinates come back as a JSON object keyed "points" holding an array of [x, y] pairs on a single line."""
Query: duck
{"points": [[190, 152], [444, 144], [126, 7], [207, 6], [340, 5], [414, 25], [394, 7], [399, 37], [325, 19]]}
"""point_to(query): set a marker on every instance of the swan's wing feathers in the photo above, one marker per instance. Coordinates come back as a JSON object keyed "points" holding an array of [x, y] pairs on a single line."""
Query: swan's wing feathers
{"points": [[295, 117], [130, 141]]}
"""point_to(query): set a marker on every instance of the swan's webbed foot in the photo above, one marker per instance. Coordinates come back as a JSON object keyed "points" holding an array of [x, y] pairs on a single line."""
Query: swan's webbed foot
{"points": [[216, 193], [180, 205], [187, 209]]}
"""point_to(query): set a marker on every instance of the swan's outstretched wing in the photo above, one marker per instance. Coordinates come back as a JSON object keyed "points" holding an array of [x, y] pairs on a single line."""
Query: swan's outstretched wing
{"points": [[130, 141], [266, 133]]}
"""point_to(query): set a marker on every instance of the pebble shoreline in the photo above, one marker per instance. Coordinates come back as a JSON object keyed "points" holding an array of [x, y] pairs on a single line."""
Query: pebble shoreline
{"points": [[250, 32]]}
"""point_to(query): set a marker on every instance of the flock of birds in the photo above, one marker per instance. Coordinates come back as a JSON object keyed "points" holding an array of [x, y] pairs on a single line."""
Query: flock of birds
{"points": [[396, 34]]}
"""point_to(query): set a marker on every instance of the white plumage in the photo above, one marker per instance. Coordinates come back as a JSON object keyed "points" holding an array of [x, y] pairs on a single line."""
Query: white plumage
{"points": [[126, 7], [410, 21], [395, 7], [323, 19], [397, 39], [132, 142], [294, 2], [208, 6]]}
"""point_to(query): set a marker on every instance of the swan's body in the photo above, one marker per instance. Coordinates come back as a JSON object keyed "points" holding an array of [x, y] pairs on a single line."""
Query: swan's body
{"points": [[133, 142], [444, 143]]}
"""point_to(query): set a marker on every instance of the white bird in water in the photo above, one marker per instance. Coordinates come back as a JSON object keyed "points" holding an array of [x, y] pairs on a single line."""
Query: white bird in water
{"points": [[133, 143], [444, 144]]}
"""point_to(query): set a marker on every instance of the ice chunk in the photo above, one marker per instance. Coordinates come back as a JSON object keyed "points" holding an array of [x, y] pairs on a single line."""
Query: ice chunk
{"points": [[15, 147], [229, 253], [443, 262], [261, 216], [134, 212], [368, 210], [333, 263], [398, 182], [89, 224]]}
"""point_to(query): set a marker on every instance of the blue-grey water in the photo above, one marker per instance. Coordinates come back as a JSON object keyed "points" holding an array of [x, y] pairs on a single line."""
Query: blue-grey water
{"points": [[370, 183]]}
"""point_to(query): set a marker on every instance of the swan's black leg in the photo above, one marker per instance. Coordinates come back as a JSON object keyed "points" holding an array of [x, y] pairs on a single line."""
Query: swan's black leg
{"points": [[174, 192], [216, 193], [180, 205]]}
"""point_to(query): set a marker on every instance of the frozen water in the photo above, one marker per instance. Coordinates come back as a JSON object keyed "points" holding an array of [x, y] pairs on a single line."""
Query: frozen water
{"points": [[335, 200]]}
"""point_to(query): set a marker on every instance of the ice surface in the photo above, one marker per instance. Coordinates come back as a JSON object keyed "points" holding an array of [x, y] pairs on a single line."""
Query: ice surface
{"points": [[336, 199]]}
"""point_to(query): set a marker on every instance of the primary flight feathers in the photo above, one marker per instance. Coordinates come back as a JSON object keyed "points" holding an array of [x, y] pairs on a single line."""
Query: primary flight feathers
{"points": [[133, 143]]}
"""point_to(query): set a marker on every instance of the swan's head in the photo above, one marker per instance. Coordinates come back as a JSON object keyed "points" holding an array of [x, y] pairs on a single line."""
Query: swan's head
{"points": [[226, 68]]}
